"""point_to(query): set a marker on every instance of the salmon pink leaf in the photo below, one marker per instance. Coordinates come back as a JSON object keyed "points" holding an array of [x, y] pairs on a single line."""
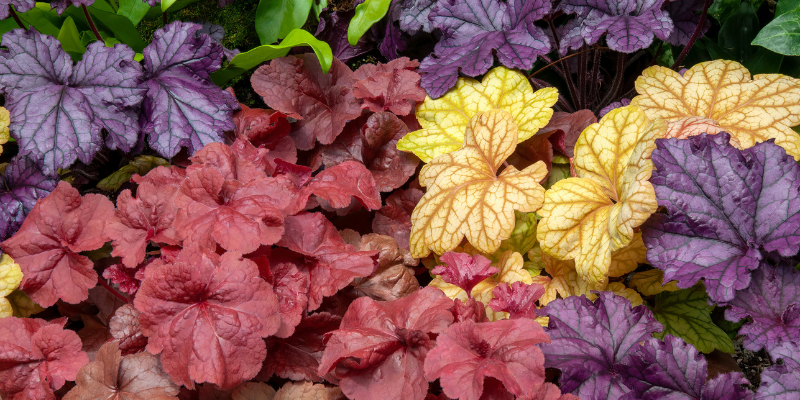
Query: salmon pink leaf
{"points": [[330, 263], [727, 209], [48, 244], [463, 270], [37, 357], [380, 347], [547, 391], [59, 110], [518, 299], [469, 310], [393, 86], [279, 267], [125, 278], [207, 314], [506, 350], [308, 391], [322, 103], [125, 329], [182, 107], [337, 184], [297, 357], [21, 185], [772, 303], [394, 219], [593, 342]]}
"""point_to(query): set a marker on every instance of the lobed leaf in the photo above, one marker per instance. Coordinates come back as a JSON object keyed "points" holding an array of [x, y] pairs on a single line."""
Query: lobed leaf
{"points": [[686, 314]]}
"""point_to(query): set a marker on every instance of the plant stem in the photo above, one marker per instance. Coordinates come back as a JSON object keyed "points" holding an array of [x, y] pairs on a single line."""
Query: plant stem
{"points": [[561, 103], [595, 71], [582, 66], [16, 17], [615, 84], [696, 33], [658, 51], [91, 23], [164, 19], [108, 287]]}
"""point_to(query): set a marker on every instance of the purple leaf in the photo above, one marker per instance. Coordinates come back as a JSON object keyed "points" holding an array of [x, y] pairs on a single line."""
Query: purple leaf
{"points": [[592, 342], [182, 106], [59, 110], [61, 5], [473, 31], [332, 29], [772, 301], [685, 14], [673, 369], [20, 6], [21, 186], [727, 209], [414, 16], [780, 382], [630, 24]]}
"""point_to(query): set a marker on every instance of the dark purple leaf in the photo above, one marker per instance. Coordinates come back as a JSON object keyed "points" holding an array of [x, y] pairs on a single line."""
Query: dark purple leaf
{"points": [[59, 110], [22, 184], [332, 29], [685, 16], [727, 208], [182, 107], [474, 31], [414, 16]]}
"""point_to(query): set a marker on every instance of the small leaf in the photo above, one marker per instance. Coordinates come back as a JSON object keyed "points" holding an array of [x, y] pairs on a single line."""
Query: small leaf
{"points": [[10, 278], [687, 315], [523, 237], [5, 120], [367, 14], [782, 34], [140, 165], [650, 282]]}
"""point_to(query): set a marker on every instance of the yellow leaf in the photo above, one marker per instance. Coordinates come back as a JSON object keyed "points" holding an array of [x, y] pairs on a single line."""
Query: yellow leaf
{"points": [[619, 289], [5, 120], [10, 277], [564, 281], [466, 197], [724, 95], [444, 120], [627, 259], [588, 217], [650, 282]]}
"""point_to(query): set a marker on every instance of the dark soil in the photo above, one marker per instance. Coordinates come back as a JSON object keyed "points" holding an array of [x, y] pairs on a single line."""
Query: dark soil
{"points": [[751, 363]]}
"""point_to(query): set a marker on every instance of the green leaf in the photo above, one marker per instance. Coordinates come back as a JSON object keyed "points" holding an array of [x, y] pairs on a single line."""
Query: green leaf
{"points": [[523, 237], [253, 58], [318, 6], [367, 13], [738, 32], [785, 6], [122, 28], [722, 9], [41, 20], [764, 61], [140, 165], [70, 39], [275, 19], [558, 171], [782, 35], [166, 4], [687, 314], [133, 10], [8, 25]]}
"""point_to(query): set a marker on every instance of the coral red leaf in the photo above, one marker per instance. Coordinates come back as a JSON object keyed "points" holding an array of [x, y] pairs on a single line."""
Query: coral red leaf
{"points": [[280, 268], [394, 219], [162, 177], [239, 161], [337, 184], [470, 310], [393, 86], [125, 328], [506, 350], [37, 357], [48, 244], [260, 126], [330, 263], [464, 270], [125, 278], [547, 391], [206, 315], [297, 357], [378, 351], [517, 299]]}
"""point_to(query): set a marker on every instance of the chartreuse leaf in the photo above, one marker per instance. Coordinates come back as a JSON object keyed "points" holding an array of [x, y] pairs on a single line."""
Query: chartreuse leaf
{"points": [[723, 93], [588, 217], [686, 314], [276, 18], [253, 58], [22, 305], [367, 13], [465, 195], [70, 39], [523, 237], [782, 34], [5, 120], [650, 282], [140, 165], [445, 119], [166, 4], [134, 10], [10, 278]]}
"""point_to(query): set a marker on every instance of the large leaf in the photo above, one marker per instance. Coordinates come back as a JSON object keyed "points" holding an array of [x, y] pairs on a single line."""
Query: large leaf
{"points": [[752, 110], [276, 18], [589, 217], [466, 197], [445, 120], [686, 314], [782, 34]]}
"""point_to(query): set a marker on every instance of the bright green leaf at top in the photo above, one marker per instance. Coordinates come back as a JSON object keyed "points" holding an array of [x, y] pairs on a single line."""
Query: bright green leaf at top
{"points": [[134, 10], [782, 35], [444, 120], [70, 38], [253, 58], [275, 19], [140, 165], [523, 237], [318, 6], [166, 4], [367, 14], [687, 314]]}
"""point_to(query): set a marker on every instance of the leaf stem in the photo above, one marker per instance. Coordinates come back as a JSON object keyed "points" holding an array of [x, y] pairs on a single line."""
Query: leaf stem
{"points": [[108, 287], [615, 84], [566, 58], [91, 23], [164, 19], [658, 51], [16, 17], [692, 39]]}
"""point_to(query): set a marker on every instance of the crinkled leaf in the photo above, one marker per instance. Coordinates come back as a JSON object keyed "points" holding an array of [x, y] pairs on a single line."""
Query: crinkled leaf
{"points": [[463, 270], [686, 314], [48, 244], [444, 121], [140, 165], [393, 86], [22, 184], [206, 315], [322, 103], [125, 329], [113, 376], [182, 107], [506, 350], [10, 278], [772, 303], [20, 6], [261, 126], [5, 120], [394, 277], [308, 391], [751, 109], [546, 391], [651, 282], [290, 285], [22, 305], [473, 32], [557, 137], [337, 184], [332, 29], [414, 14], [727, 209], [380, 347], [781, 381], [517, 299], [394, 219], [592, 342], [59, 110], [127, 279], [465, 195], [588, 217], [685, 15], [37, 357], [297, 357]]}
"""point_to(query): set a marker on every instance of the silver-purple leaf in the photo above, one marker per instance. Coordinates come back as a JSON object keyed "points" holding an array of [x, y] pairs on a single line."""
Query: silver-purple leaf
{"points": [[772, 301], [21, 185], [629, 25], [61, 5], [182, 107], [782, 381], [58, 110], [474, 31], [20, 6], [414, 16], [727, 210], [592, 342]]}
